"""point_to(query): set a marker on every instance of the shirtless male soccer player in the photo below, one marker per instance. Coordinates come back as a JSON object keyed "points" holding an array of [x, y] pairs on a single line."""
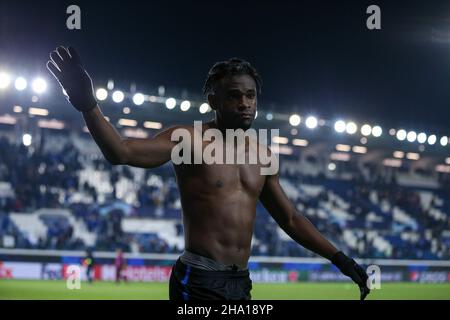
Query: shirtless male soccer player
{"points": [[218, 200]]}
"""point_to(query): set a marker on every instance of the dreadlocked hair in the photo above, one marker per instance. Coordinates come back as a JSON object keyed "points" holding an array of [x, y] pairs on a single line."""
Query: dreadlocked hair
{"points": [[233, 66]]}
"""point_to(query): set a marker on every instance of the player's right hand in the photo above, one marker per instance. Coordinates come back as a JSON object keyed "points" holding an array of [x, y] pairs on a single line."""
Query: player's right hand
{"points": [[66, 67]]}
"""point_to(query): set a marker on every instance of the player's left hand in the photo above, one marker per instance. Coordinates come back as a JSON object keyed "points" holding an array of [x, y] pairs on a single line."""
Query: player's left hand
{"points": [[351, 269]]}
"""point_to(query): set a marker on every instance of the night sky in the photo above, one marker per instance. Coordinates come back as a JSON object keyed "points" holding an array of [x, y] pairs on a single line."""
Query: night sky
{"points": [[314, 56]]}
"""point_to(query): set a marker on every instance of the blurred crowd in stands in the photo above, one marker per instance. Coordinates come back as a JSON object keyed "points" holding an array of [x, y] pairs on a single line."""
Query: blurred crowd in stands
{"points": [[367, 218]]}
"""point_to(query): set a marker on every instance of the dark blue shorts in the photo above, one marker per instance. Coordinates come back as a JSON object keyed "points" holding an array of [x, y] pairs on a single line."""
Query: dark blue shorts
{"points": [[189, 283]]}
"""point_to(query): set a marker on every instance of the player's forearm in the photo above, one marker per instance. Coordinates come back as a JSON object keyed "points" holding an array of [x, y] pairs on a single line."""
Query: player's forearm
{"points": [[303, 232], [106, 137]]}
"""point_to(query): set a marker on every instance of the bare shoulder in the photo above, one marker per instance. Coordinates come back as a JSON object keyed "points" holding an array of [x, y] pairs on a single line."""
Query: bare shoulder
{"points": [[175, 130]]}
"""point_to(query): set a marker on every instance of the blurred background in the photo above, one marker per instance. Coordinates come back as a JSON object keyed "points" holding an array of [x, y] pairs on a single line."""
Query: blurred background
{"points": [[364, 140]]}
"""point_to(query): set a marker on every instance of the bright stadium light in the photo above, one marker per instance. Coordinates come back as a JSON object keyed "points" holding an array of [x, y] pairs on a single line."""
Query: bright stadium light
{"points": [[421, 137], [411, 136], [118, 96], [185, 105], [339, 126], [101, 94], [401, 134], [138, 99], [311, 122], [351, 128], [269, 116], [443, 141], [5, 79], [20, 84], [26, 139], [431, 139], [377, 131], [366, 130], [294, 120], [39, 85], [204, 107], [171, 103]]}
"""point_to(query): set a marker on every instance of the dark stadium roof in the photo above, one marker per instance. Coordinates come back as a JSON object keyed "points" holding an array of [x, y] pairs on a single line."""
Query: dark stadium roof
{"points": [[315, 57]]}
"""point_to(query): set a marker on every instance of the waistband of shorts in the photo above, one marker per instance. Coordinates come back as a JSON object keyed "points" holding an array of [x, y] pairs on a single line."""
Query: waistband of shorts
{"points": [[229, 274], [201, 262]]}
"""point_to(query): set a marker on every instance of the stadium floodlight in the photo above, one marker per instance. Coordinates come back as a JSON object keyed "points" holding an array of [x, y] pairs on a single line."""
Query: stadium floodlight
{"points": [[280, 140], [171, 103], [294, 120], [398, 154], [204, 107], [5, 79], [311, 122], [118, 96], [138, 99], [300, 142], [26, 139], [152, 125], [359, 149], [331, 166], [20, 84], [401, 134], [421, 137], [343, 147], [39, 85], [127, 122], [377, 131], [444, 141], [412, 156], [351, 128], [101, 94], [366, 130], [185, 105], [411, 136], [339, 126], [432, 139], [126, 110], [269, 116], [38, 111]]}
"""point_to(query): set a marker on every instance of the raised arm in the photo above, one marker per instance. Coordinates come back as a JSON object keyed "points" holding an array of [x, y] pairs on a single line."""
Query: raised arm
{"points": [[300, 229], [66, 67]]}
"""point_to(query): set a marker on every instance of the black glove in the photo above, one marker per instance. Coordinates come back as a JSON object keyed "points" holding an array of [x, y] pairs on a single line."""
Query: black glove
{"points": [[351, 269], [66, 67]]}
